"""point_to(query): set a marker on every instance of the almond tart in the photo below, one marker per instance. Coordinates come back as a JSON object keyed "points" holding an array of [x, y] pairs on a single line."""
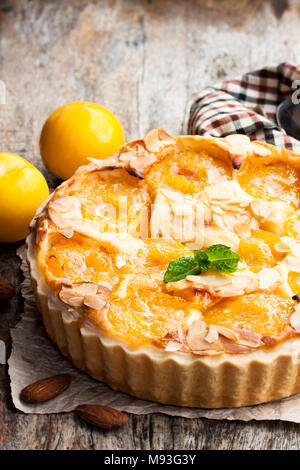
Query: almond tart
{"points": [[100, 246]]}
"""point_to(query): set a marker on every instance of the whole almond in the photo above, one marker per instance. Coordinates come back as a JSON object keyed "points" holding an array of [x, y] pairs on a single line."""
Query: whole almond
{"points": [[45, 389], [101, 416], [6, 289]]}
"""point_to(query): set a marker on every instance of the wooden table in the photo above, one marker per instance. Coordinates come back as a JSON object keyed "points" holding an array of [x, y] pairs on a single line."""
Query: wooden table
{"points": [[144, 60]]}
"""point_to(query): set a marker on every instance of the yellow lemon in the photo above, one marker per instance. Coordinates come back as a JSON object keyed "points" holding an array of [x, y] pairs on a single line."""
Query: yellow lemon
{"points": [[75, 132], [22, 190]]}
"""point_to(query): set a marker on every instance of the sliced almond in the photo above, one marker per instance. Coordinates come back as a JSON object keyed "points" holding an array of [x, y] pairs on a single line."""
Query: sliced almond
{"points": [[212, 335], [173, 346], [86, 288], [259, 149], [65, 212], [94, 301], [75, 301], [107, 163], [243, 230], [65, 204], [268, 278], [66, 293], [208, 352], [238, 146], [157, 139], [196, 334], [68, 233], [232, 347], [89, 294], [227, 333], [138, 164], [249, 335]]}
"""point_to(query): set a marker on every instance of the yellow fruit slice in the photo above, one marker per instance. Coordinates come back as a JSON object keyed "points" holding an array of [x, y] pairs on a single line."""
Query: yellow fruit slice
{"points": [[116, 200], [80, 259], [265, 313], [293, 226], [259, 251], [187, 172], [270, 181], [147, 316]]}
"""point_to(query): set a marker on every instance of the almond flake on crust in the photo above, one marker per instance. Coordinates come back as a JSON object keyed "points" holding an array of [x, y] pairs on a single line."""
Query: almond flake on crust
{"points": [[65, 204], [295, 318], [268, 278], [271, 215], [232, 347], [173, 346], [281, 247], [225, 285], [228, 195], [218, 284], [68, 232], [227, 332], [179, 216], [243, 230], [72, 300], [138, 155], [249, 337], [196, 334], [239, 146], [87, 294], [94, 301], [87, 288], [65, 211], [157, 139], [137, 159], [292, 263], [238, 340], [192, 316], [212, 335], [201, 339], [108, 163], [229, 204], [260, 149], [289, 245], [208, 352]]}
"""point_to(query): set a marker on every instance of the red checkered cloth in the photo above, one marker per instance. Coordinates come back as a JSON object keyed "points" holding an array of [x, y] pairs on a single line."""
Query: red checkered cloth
{"points": [[247, 106]]}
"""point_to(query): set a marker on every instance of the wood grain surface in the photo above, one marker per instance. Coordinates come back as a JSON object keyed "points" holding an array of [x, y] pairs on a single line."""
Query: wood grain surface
{"points": [[145, 61]]}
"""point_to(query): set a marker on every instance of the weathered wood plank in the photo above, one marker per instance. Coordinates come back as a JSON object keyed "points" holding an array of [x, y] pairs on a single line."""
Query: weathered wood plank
{"points": [[144, 61]]}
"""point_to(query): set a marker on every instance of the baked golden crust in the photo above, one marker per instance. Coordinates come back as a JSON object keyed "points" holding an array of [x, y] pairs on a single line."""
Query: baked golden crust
{"points": [[81, 314]]}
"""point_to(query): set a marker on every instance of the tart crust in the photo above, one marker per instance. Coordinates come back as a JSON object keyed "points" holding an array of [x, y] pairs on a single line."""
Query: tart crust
{"points": [[149, 372]]}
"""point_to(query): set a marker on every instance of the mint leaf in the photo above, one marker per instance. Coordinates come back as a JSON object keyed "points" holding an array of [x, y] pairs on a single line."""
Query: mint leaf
{"points": [[202, 259], [218, 257], [181, 268], [222, 259]]}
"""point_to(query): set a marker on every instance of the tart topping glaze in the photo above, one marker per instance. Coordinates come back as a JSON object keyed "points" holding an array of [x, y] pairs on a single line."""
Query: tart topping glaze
{"points": [[128, 244]]}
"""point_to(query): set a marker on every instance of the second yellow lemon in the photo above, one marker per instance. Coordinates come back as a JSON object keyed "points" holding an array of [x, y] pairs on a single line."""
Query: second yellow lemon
{"points": [[75, 132], [22, 190]]}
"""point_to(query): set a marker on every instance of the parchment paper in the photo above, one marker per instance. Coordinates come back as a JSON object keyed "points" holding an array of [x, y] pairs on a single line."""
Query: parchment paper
{"points": [[34, 356]]}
